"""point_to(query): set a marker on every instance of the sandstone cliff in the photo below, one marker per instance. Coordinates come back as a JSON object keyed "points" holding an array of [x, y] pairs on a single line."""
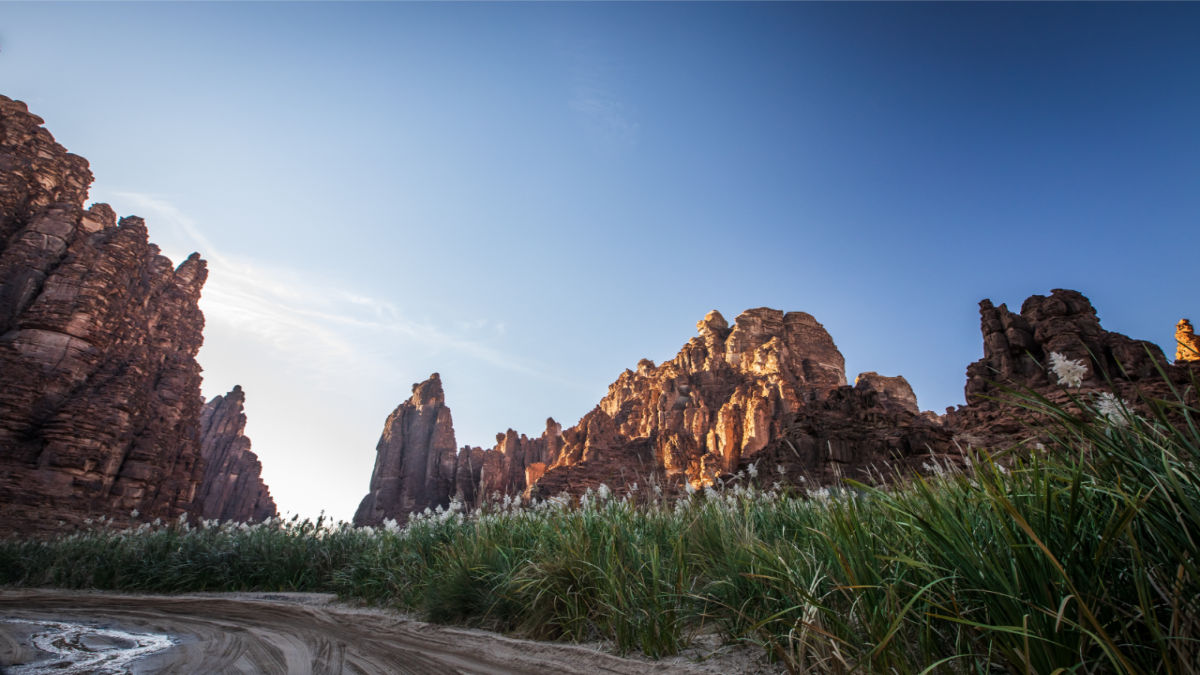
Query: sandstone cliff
{"points": [[100, 404], [232, 487], [416, 459], [771, 389]]}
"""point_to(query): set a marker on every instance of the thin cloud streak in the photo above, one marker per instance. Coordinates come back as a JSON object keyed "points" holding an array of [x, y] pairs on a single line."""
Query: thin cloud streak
{"points": [[315, 326]]}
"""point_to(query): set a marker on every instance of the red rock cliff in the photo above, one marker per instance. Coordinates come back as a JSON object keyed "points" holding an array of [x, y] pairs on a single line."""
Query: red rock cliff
{"points": [[731, 396], [100, 403], [232, 487], [415, 459]]}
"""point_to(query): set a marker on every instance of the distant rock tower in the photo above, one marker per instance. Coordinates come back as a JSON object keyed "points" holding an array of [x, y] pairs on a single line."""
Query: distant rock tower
{"points": [[1187, 343]]}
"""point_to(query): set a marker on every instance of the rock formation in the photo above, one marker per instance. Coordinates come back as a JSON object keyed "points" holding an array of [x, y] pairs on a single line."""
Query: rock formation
{"points": [[415, 459], [100, 408], [770, 389], [1187, 343], [1016, 352], [232, 487], [1016, 346]]}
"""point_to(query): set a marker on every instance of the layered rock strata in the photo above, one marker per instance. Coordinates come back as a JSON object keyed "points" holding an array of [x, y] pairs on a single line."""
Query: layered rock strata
{"points": [[232, 487], [729, 398], [100, 404]]}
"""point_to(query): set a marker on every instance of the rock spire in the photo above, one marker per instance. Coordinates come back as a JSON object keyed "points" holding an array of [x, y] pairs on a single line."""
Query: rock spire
{"points": [[232, 487], [1187, 343]]}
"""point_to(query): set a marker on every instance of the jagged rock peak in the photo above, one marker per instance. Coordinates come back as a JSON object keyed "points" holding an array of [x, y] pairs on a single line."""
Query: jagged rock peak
{"points": [[232, 487], [415, 460], [1016, 356], [713, 324], [1187, 343], [1016, 346], [428, 392]]}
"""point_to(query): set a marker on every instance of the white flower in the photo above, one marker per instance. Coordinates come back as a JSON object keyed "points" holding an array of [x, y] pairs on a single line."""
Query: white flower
{"points": [[691, 489], [1113, 409], [134, 513], [1068, 371], [752, 470], [602, 492]]}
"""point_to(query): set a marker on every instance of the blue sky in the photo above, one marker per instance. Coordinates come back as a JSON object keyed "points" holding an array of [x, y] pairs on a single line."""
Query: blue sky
{"points": [[528, 198]]}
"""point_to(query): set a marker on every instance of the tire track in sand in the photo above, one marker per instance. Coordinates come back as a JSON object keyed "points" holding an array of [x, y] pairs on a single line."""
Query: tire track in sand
{"points": [[296, 633]]}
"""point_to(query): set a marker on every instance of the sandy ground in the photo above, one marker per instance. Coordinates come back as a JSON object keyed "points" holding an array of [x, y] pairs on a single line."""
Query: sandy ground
{"points": [[286, 633]]}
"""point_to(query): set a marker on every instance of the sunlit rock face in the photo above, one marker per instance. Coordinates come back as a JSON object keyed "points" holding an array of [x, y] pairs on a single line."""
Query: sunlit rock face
{"points": [[100, 404], [1187, 343], [769, 390], [760, 392], [722, 399], [232, 487]]}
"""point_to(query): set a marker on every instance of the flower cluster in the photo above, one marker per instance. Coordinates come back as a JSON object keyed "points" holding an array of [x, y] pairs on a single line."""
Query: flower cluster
{"points": [[1113, 409], [1069, 372]]}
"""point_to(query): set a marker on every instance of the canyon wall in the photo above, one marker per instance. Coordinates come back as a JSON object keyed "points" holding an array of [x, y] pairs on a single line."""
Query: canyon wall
{"points": [[100, 403]]}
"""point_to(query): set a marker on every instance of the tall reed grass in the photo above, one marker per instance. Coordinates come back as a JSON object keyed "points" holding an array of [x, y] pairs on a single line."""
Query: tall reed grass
{"points": [[1078, 558]]}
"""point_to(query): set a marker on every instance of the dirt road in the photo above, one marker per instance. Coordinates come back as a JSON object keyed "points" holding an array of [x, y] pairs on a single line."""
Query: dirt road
{"points": [[266, 633]]}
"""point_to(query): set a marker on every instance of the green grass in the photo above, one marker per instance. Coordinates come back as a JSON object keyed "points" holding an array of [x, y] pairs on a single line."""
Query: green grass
{"points": [[1080, 558]]}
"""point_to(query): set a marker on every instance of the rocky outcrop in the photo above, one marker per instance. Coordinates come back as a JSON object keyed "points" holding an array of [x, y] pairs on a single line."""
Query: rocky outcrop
{"points": [[1016, 346], [770, 389], [416, 458], [891, 391], [232, 487], [100, 408], [1016, 360], [1187, 343], [720, 401]]}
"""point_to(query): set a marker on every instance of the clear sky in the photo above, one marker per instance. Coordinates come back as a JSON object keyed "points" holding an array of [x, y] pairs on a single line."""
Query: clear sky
{"points": [[528, 198]]}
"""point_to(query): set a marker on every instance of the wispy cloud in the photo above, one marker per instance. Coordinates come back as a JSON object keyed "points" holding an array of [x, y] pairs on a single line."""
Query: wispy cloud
{"points": [[312, 323]]}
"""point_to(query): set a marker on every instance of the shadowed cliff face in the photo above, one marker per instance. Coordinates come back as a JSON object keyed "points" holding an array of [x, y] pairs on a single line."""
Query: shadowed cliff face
{"points": [[1016, 357], [728, 399], [100, 403], [415, 461], [232, 487], [1016, 346]]}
